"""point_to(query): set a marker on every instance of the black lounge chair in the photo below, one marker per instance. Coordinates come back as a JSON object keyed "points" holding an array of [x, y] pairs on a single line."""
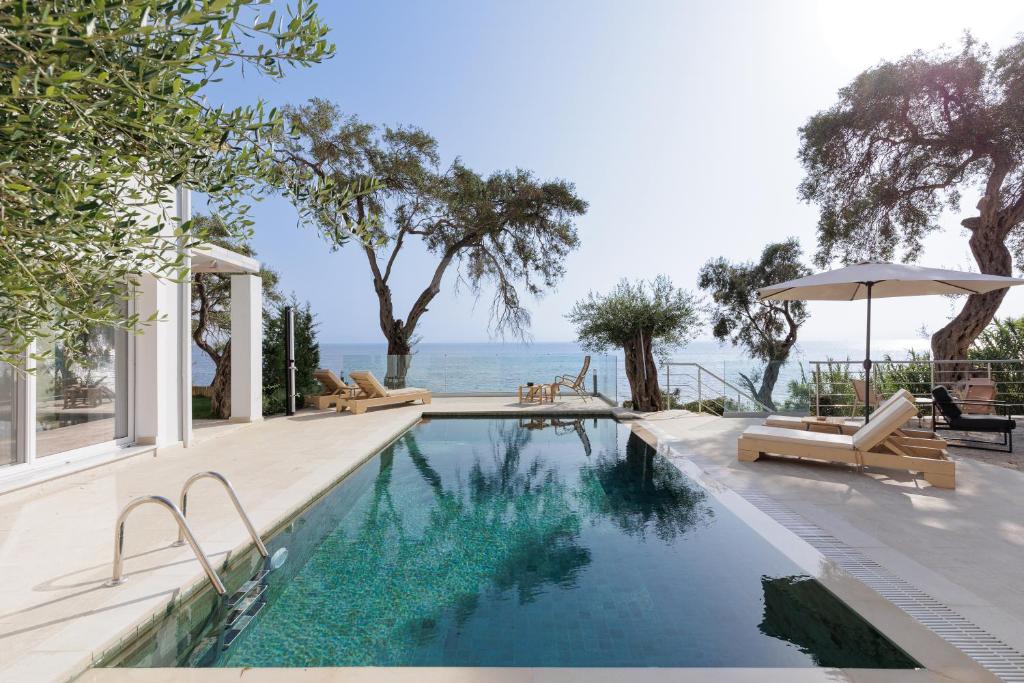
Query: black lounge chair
{"points": [[955, 419]]}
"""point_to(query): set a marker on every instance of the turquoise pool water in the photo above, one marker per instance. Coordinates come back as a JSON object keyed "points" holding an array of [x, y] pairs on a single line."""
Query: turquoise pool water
{"points": [[478, 542]]}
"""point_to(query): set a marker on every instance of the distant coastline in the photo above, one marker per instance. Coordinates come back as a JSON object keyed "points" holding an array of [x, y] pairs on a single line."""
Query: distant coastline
{"points": [[497, 366]]}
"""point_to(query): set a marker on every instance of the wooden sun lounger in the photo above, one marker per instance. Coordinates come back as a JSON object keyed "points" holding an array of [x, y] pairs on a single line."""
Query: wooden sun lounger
{"points": [[334, 390], [876, 444], [372, 394], [914, 437]]}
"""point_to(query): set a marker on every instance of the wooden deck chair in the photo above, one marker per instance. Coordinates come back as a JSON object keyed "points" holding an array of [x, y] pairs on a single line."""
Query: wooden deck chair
{"points": [[575, 384], [372, 393], [979, 396], [334, 389], [919, 437], [859, 386], [873, 445]]}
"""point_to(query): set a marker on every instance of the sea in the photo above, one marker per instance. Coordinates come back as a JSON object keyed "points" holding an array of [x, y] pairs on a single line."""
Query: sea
{"points": [[501, 367]]}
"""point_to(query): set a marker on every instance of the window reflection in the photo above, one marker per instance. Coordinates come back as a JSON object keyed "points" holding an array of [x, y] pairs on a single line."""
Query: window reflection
{"points": [[80, 399], [8, 414]]}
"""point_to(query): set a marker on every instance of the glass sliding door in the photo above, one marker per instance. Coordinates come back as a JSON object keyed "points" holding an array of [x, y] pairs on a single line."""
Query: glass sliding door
{"points": [[8, 415], [81, 398]]}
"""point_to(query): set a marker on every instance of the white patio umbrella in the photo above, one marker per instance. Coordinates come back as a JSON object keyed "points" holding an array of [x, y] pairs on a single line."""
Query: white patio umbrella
{"points": [[873, 280]]}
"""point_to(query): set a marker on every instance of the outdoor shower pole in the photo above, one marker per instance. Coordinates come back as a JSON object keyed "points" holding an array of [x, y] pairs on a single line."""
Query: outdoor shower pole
{"points": [[289, 360], [867, 361]]}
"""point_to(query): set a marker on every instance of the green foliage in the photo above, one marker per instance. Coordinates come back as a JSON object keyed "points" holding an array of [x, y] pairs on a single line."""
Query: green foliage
{"points": [[667, 316], [307, 356], [508, 230], [834, 382], [713, 405], [832, 389], [201, 408], [1001, 340], [1004, 340], [766, 329], [915, 375], [103, 109], [902, 143]]}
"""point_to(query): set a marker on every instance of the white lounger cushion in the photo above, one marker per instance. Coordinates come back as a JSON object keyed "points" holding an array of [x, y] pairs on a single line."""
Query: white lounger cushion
{"points": [[408, 391], [783, 435], [797, 421], [885, 421], [884, 424]]}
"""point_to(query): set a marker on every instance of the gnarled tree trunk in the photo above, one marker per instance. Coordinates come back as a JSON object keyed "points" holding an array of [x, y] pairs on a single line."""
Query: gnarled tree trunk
{"points": [[399, 356], [642, 373], [769, 378], [952, 342], [220, 387]]}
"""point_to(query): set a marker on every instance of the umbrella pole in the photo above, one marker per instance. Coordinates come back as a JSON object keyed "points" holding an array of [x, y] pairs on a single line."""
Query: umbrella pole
{"points": [[867, 361]]}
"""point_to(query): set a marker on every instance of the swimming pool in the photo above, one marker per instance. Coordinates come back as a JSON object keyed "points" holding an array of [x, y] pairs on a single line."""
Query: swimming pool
{"points": [[537, 543]]}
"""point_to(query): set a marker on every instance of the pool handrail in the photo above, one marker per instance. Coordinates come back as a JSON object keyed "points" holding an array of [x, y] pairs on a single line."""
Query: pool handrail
{"points": [[117, 575], [210, 474]]}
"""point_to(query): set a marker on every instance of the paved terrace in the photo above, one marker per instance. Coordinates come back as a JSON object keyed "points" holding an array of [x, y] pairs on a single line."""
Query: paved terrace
{"points": [[965, 547]]}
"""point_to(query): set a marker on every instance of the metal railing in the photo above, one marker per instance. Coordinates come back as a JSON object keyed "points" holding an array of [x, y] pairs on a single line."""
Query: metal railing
{"points": [[693, 387], [118, 577], [217, 476], [831, 389]]}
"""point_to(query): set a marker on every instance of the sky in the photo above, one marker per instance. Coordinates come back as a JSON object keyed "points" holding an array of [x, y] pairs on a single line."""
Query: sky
{"points": [[677, 121]]}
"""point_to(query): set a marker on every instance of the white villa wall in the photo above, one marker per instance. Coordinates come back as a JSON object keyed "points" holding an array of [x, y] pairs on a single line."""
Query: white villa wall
{"points": [[154, 395], [157, 364], [158, 377]]}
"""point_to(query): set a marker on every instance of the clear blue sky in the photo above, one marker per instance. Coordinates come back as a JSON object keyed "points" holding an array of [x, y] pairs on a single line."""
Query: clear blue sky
{"points": [[676, 120]]}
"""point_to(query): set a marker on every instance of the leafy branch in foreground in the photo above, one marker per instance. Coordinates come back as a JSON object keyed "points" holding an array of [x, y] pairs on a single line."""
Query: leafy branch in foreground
{"points": [[103, 111]]}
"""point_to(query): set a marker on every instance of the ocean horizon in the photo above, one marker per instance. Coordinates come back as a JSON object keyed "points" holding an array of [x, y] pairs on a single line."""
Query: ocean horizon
{"points": [[452, 367]]}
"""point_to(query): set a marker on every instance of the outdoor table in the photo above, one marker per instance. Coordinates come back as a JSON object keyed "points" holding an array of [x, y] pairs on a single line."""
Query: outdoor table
{"points": [[535, 393], [830, 422]]}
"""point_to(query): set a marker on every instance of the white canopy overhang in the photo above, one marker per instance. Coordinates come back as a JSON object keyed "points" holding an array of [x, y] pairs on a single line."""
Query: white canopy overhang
{"points": [[210, 258]]}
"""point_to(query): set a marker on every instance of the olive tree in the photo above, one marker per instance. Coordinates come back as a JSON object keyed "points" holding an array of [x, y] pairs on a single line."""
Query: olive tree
{"points": [[904, 142], [103, 109], [507, 230], [645, 320], [766, 329]]}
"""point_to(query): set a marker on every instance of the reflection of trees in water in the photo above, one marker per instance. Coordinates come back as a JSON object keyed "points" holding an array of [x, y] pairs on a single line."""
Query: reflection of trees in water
{"points": [[506, 527], [799, 610], [643, 491], [507, 444]]}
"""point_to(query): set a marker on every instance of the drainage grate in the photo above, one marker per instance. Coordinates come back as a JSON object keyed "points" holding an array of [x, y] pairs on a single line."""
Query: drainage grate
{"points": [[984, 648]]}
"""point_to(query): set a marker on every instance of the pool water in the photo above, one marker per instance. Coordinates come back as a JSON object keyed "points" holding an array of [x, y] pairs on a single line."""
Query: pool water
{"points": [[566, 542]]}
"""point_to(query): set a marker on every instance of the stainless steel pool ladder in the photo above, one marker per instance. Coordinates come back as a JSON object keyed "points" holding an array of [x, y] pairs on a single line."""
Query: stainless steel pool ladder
{"points": [[234, 499], [118, 573], [184, 532]]}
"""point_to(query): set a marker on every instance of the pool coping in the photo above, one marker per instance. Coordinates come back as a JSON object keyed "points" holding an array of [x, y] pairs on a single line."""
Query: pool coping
{"points": [[938, 656]]}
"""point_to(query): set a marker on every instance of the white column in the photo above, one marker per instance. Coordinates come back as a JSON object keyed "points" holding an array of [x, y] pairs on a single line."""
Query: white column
{"points": [[157, 406], [25, 414], [246, 348], [184, 210]]}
